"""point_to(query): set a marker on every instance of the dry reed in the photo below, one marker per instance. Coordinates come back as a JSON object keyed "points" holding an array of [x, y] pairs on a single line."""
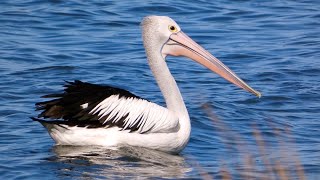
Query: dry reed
{"points": [[286, 164]]}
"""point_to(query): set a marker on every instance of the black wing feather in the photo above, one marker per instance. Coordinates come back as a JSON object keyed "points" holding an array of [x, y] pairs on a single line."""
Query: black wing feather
{"points": [[66, 107]]}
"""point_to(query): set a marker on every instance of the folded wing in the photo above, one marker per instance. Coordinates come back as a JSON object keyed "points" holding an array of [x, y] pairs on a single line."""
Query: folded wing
{"points": [[94, 106]]}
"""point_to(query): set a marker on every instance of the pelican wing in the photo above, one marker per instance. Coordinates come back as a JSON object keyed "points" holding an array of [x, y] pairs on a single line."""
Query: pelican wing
{"points": [[92, 106]]}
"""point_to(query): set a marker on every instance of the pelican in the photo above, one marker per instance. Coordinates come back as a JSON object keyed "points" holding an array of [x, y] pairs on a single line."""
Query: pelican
{"points": [[86, 114]]}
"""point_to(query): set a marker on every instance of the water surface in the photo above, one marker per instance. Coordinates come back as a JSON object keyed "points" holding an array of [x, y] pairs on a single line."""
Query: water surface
{"points": [[272, 45]]}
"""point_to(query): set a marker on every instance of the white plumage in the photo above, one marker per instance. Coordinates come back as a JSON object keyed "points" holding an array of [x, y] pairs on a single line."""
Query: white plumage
{"points": [[148, 116]]}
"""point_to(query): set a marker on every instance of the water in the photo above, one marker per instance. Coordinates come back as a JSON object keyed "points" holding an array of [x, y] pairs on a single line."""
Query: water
{"points": [[273, 45]]}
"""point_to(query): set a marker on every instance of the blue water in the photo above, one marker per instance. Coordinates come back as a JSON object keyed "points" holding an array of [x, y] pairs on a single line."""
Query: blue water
{"points": [[273, 45]]}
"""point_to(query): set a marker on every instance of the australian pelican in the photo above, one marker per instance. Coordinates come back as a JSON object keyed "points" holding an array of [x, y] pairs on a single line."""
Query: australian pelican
{"points": [[88, 114]]}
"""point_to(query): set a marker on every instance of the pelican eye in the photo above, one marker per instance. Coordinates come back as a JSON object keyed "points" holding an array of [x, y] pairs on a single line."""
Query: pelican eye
{"points": [[173, 28]]}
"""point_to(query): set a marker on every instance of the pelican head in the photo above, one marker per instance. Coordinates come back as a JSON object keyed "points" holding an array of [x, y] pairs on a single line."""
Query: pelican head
{"points": [[163, 36]]}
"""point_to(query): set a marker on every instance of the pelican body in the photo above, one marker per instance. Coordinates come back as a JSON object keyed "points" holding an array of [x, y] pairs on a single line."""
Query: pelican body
{"points": [[88, 114]]}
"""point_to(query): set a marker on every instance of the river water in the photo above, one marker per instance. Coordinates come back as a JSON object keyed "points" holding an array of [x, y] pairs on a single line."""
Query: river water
{"points": [[273, 45]]}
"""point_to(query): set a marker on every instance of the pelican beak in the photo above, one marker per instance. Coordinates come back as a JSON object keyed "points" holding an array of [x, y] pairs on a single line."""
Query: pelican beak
{"points": [[179, 44]]}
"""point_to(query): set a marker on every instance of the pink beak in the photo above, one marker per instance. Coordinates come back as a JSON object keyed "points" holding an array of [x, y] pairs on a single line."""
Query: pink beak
{"points": [[179, 44]]}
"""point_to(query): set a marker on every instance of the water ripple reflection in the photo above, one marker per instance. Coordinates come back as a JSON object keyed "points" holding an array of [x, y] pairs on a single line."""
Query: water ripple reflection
{"points": [[273, 45]]}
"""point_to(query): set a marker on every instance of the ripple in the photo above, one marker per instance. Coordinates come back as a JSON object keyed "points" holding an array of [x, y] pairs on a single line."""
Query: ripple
{"points": [[272, 45]]}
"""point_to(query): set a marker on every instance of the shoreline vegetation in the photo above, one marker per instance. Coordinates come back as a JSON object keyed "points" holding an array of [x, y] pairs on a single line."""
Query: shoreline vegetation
{"points": [[267, 161]]}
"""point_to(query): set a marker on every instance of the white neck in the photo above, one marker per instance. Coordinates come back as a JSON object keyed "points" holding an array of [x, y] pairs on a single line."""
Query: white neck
{"points": [[168, 86], [170, 91]]}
